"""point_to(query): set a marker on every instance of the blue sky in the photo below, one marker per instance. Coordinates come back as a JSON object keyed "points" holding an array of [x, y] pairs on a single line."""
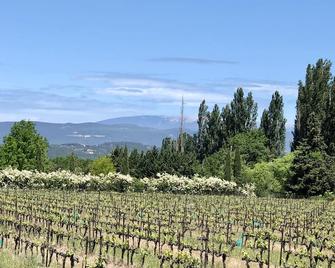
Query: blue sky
{"points": [[76, 61]]}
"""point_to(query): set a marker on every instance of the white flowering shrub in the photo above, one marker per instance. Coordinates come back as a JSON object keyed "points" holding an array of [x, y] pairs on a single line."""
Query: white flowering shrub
{"points": [[10, 177]]}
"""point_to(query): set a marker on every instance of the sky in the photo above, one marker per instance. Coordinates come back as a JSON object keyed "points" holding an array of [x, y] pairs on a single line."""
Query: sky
{"points": [[83, 60]]}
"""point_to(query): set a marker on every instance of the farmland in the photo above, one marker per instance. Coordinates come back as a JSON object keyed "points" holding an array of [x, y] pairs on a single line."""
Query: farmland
{"points": [[54, 228]]}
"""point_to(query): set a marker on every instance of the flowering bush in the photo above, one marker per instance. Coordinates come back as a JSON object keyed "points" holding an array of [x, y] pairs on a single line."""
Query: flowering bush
{"points": [[10, 177]]}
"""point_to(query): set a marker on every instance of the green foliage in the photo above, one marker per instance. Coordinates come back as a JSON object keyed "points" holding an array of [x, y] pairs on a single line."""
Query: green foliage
{"points": [[24, 148], [71, 163], [313, 168], [252, 146], [312, 173], [202, 136], [102, 165], [237, 167], [215, 128], [214, 137], [315, 95], [214, 165], [243, 112], [227, 167], [271, 177], [273, 125]]}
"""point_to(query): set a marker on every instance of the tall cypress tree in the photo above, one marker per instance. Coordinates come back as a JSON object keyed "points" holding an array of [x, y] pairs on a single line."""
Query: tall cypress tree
{"points": [[227, 167], [203, 116], [273, 124], [237, 168]]}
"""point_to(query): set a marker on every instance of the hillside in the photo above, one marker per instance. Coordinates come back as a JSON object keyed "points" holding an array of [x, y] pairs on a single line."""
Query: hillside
{"points": [[96, 133]]}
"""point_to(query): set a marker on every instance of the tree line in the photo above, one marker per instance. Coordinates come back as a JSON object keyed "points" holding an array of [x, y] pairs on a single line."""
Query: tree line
{"points": [[228, 144]]}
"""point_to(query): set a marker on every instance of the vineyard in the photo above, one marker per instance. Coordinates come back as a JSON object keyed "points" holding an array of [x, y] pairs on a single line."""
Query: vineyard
{"points": [[109, 229]]}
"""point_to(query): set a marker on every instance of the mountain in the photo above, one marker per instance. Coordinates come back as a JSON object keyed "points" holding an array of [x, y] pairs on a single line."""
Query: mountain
{"points": [[152, 121], [91, 151], [96, 133]]}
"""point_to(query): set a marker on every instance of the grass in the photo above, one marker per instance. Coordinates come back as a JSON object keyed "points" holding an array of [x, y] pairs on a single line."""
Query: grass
{"points": [[10, 260]]}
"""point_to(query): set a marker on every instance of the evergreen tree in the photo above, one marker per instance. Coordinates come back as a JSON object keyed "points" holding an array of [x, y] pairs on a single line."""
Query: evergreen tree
{"points": [[203, 116], [125, 161], [24, 148], [227, 169], [312, 167], [273, 125], [134, 162]]}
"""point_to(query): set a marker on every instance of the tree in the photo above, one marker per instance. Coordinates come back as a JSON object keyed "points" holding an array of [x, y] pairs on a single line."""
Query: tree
{"points": [[237, 168], [328, 125], [202, 138], [273, 125], [214, 165], [72, 163], [271, 177], [252, 146], [315, 92], [227, 167], [214, 130], [24, 148], [243, 112], [102, 165], [312, 167], [227, 122], [251, 112], [125, 161]]}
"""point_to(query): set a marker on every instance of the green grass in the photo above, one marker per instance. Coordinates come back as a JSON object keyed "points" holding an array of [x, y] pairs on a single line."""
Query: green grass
{"points": [[10, 260]]}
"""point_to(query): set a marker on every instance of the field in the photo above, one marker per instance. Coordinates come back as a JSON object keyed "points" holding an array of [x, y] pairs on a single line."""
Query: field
{"points": [[91, 229]]}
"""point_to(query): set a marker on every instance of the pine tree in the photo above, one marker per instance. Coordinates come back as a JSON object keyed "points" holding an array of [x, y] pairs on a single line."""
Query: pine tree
{"points": [[273, 125], [125, 161], [311, 167]]}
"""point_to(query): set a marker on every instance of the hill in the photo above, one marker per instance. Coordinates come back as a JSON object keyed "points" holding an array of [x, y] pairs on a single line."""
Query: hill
{"points": [[91, 151]]}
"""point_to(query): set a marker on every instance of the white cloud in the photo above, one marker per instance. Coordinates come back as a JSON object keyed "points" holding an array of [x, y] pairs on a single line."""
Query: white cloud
{"points": [[163, 92]]}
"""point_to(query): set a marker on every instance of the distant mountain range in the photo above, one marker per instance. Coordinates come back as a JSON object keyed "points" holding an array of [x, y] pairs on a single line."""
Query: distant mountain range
{"points": [[97, 133], [152, 121], [97, 138]]}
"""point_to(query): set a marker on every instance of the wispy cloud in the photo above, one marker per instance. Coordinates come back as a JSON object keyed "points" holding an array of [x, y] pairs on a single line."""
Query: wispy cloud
{"points": [[100, 95], [168, 94], [191, 60]]}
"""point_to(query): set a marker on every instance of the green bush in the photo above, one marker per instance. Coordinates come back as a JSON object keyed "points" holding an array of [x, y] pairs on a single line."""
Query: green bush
{"points": [[271, 177], [102, 165]]}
